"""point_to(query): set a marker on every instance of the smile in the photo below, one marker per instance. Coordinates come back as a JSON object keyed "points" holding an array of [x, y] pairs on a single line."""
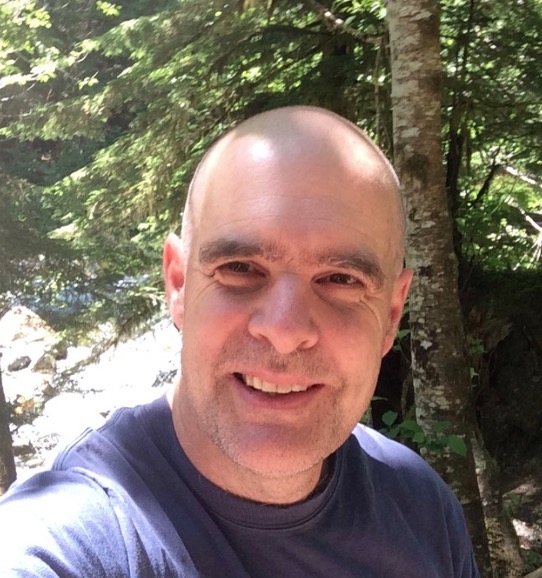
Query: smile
{"points": [[268, 387]]}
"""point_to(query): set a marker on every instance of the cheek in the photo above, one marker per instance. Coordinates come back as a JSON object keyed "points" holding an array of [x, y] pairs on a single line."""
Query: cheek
{"points": [[356, 345], [210, 315], [358, 328]]}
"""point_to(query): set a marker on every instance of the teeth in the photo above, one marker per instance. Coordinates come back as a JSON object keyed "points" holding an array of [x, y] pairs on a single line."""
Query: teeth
{"points": [[267, 387]]}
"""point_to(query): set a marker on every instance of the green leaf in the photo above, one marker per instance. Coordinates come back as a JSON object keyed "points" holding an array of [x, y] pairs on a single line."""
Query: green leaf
{"points": [[411, 425], [389, 418], [457, 445], [418, 438], [402, 333], [440, 426]]}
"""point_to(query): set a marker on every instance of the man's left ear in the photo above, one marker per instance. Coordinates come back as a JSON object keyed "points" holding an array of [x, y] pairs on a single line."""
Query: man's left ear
{"points": [[174, 278], [398, 298]]}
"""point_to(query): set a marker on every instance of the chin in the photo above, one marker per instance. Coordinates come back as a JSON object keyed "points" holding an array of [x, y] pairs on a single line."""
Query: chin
{"points": [[275, 459]]}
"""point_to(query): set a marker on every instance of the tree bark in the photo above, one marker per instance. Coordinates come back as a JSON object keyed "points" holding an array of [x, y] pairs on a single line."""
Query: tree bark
{"points": [[502, 539], [7, 462], [440, 374]]}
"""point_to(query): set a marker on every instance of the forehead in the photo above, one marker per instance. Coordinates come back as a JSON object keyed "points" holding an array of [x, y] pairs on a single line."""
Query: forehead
{"points": [[341, 170], [306, 190]]}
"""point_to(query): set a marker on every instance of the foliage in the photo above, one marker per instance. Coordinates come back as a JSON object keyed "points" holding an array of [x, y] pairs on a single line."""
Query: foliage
{"points": [[493, 98], [113, 111], [410, 433], [108, 106]]}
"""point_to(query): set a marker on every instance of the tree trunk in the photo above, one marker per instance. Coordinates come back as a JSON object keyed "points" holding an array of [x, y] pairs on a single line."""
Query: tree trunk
{"points": [[7, 462], [440, 373], [502, 538]]}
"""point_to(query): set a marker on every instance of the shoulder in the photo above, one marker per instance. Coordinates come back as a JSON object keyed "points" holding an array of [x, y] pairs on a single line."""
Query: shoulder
{"points": [[401, 484], [46, 524], [76, 523], [397, 471], [95, 513], [125, 437], [384, 451]]}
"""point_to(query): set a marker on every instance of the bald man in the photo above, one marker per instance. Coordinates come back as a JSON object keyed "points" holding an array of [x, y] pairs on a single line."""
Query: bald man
{"points": [[288, 285]]}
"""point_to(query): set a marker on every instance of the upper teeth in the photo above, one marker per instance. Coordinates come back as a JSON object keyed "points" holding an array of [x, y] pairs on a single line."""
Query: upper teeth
{"points": [[268, 387]]}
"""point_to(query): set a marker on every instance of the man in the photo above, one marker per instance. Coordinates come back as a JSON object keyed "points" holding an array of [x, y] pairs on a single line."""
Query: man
{"points": [[288, 284]]}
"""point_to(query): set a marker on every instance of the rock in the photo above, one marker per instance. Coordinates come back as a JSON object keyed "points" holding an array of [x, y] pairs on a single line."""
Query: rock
{"points": [[24, 450], [19, 363], [68, 414], [22, 323], [47, 390], [45, 364], [61, 405], [59, 350]]}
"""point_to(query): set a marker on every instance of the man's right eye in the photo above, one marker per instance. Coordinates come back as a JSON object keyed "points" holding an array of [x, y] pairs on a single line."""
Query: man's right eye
{"points": [[237, 267], [239, 274]]}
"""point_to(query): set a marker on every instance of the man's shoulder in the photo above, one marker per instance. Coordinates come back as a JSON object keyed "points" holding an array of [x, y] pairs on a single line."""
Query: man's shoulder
{"points": [[59, 508], [76, 523], [380, 447], [103, 450], [390, 463], [52, 498], [52, 487], [93, 513]]}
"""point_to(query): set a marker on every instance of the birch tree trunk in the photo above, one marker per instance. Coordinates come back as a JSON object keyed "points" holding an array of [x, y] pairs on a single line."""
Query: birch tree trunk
{"points": [[440, 373]]}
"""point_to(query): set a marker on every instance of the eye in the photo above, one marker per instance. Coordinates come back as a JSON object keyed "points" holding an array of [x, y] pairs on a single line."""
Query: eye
{"points": [[339, 279], [237, 267], [239, 274], [342, 279], [341, 287]]}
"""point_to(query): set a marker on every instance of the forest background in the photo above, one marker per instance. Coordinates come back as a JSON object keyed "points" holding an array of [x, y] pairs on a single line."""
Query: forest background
{"points": [[106, 108]]}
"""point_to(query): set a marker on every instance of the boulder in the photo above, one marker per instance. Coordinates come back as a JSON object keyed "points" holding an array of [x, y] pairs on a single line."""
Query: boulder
{"points": [[22, 323], [59, 350], [45, 364], [19, 363]]}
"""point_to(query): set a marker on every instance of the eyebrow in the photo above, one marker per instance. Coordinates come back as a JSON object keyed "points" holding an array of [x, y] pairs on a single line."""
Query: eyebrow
{"points": [[228, 248], [361, 262]]}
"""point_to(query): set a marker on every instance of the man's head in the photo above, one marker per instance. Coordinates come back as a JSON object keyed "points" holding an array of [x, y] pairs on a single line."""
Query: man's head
{"points": [[289, 285]]}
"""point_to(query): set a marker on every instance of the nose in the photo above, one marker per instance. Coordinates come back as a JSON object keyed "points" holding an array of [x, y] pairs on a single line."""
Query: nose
{"points": [[283, 316]]}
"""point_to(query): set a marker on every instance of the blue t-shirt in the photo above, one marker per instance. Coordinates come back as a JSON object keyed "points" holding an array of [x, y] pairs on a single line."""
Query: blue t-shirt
{"points": [[125, 501]]}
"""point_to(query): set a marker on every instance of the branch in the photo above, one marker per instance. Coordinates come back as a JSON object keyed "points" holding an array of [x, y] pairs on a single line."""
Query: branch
{"points": [[526, 179], [286, 29], [533, 223], [487, 183], [337, 24]]}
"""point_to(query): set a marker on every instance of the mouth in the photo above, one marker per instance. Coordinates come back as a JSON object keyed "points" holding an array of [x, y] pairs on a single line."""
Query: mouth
{"points": [[270, 388]]}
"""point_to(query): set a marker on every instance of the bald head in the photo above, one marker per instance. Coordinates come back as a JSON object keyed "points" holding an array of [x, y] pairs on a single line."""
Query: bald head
{"points": [[286, 141]]}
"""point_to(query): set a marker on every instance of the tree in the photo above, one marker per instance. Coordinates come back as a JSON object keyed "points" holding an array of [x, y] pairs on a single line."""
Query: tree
{"points": [[493, 131], [125, 110], [440, 373], [7, 461]]}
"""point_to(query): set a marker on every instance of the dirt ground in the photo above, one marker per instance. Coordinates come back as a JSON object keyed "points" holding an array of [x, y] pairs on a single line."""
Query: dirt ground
{"points": [[522, 490]]}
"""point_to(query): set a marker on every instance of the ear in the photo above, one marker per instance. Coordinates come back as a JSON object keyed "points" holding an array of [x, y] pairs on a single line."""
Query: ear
{"points": [[174, 278], [398, 298]]}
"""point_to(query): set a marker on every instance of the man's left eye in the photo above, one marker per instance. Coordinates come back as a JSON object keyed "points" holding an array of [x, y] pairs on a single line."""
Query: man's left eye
{"points": [[342, 279]]}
